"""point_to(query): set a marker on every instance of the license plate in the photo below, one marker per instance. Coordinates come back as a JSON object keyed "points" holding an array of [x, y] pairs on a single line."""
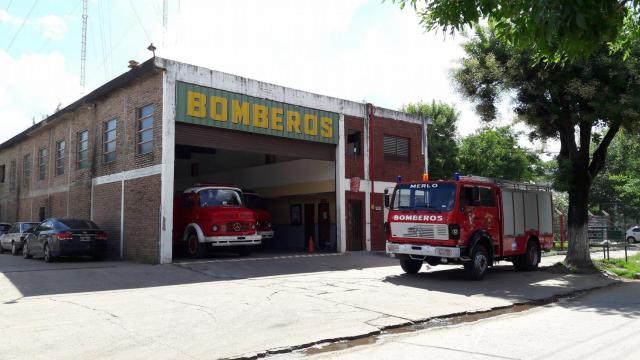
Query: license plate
{"points": [[85, 238], [444, 252]]}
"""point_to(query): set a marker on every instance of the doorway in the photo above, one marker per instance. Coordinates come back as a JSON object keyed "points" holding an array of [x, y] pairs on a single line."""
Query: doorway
{"points": [[354, 225]]}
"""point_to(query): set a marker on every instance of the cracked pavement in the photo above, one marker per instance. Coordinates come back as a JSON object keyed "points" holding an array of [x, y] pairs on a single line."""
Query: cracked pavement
{"points": [[227, 309]]}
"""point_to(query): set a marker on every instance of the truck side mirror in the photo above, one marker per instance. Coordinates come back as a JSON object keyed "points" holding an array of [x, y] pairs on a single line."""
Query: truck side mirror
{"points": [[387, 198]]}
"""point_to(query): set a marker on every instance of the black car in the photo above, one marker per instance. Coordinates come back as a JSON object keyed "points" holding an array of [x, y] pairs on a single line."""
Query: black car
{"points": [[65, 237]]}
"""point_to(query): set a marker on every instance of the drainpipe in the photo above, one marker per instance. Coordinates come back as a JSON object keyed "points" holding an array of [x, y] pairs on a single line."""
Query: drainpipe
{"points": [[370, 110]]}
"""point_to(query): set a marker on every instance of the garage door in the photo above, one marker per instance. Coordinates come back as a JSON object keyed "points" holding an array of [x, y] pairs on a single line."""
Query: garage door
{"points": [[209, 137]]}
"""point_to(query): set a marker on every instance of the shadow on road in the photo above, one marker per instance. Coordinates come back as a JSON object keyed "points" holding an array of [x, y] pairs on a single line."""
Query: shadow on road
{"points": [[34, 277]]}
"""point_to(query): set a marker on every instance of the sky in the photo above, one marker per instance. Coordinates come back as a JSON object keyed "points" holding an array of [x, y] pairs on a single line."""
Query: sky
{"points": [[361, 50]]}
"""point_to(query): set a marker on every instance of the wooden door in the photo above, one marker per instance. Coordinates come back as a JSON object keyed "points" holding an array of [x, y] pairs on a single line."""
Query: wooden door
{"points": [[354, 225]]}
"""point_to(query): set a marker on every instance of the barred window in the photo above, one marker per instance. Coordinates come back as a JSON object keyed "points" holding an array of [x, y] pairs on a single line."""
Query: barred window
{"points": [[396, 148], [27, 163], [109, 140], [145, 129], [60, 155], [83, 149], [43, 155]]}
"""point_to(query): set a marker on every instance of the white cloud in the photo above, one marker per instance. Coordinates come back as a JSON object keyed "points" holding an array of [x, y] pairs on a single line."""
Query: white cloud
{"points": [[5, 17], [52, 27], [32, 86]]}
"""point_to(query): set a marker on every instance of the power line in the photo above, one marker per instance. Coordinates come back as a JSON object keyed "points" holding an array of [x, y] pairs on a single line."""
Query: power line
{"points": [[139, 21], [22, 25], [9, 6]]}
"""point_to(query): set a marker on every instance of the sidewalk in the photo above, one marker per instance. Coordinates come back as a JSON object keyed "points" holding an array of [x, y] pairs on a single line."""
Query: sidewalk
{"points": [[225, 309]]}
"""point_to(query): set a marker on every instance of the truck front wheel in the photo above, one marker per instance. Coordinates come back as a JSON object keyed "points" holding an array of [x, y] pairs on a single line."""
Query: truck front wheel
{"points": [[479, 263], [528, 261], [410, 266], [195, 248]]}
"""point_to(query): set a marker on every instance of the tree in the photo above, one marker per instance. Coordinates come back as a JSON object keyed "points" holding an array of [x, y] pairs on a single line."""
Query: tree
{"points": [[617, 190], [441, 137], [495, 153], [555, 30], [583, 104]]}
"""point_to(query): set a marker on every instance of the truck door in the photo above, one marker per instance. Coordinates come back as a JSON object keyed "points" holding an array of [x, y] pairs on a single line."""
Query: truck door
{"points": [[481, 212]]}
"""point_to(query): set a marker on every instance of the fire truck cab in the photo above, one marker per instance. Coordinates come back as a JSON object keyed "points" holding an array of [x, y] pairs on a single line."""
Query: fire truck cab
{"points": [[471, 220]]}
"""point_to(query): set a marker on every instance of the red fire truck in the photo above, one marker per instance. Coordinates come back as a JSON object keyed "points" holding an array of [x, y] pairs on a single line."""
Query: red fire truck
{"points": [[213, 216], [470, 220]]}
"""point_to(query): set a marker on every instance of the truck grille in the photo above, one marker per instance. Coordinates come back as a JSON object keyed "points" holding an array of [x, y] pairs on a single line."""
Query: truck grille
{"points": [[238, 226], [420, 231]]}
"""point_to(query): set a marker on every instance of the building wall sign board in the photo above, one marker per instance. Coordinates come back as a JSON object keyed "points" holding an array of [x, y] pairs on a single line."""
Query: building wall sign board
{"points": [[224, 109]]}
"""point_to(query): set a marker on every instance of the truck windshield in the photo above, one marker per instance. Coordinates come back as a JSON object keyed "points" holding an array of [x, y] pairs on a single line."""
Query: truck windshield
{"points": [[218, 197], [427, 196]]}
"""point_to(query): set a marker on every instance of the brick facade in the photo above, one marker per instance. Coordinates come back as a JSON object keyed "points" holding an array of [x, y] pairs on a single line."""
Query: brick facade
{"points": [[63, 188]]}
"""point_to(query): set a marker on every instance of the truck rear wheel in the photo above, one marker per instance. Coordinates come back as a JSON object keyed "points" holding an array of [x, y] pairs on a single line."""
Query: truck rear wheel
{"points": [[195, 248], [479, 263], [410, 266], [528, 261]]}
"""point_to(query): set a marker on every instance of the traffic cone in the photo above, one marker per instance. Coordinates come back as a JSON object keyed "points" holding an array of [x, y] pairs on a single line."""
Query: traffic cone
{"points": [[310, 245]]}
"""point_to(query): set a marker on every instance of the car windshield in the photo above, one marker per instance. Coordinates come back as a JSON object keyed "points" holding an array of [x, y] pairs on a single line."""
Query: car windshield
{"points": [[219, 197], [4, 228], [69, 224], [253, 201], [24, 227], [427, 196]]}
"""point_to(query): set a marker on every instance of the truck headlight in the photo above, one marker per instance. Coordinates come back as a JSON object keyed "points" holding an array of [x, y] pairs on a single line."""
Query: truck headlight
{"points": [[214, 228]]}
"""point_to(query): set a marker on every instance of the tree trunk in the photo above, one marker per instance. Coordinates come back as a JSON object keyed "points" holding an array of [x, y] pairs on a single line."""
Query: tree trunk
{"points": [[578, 255]]}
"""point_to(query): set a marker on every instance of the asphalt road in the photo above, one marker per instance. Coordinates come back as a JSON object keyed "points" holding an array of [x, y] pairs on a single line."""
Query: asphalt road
{"points": [[604, 324], [230, 307]]}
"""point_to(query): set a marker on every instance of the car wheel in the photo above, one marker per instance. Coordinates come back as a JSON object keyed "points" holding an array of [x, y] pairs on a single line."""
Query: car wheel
{"points": [[47, 253], [476, 268], [25, 251], [14, 248], [195, 248], [631, 240], [410, 266]]}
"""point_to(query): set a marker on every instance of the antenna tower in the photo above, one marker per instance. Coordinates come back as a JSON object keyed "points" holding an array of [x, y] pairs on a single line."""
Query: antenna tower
{"points": [[83, 54]]}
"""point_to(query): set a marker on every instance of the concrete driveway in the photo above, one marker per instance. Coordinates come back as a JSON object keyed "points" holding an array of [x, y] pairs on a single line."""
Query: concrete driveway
{"points": [[225, 308]]}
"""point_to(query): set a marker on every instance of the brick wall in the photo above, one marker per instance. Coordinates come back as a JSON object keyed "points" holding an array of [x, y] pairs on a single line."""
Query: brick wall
{"points": [[108, 214], [388, 170], [142, 219], [69, 193]]}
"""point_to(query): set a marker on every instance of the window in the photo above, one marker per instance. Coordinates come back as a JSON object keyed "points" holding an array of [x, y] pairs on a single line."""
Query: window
{"points": [[27, 163], [60, 150], [354, 141], [43, 155], [218, 197], [1, 173], [83, 149], [12, 175], [145, 129], [487, 197], [396, 148], [109, 141]]}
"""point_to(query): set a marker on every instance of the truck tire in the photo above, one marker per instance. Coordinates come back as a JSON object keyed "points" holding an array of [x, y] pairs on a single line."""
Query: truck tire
{"points": [[410, 266], [479, 263], [528, 261], [195, 248]]}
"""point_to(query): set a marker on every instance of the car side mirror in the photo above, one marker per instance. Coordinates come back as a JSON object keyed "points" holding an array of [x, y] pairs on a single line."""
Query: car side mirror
{"points": [[387, 199]]}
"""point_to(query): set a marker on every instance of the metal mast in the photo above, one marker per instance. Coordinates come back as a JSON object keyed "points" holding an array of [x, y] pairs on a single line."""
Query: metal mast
{"points": [[83, 54], [165, 20]]}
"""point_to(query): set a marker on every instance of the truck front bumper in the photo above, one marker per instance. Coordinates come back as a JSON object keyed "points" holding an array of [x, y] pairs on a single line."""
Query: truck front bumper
{"points": [[215, 241], [423, 250]]}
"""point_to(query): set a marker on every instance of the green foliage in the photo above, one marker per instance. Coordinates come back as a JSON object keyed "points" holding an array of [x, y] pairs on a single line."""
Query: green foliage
{"points": [[617, 190], [626, 269], [495, 153], [442, 143], [553, 30]]}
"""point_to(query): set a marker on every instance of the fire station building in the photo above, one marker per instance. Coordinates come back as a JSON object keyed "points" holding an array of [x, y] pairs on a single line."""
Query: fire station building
{"points": [[119, 154]]}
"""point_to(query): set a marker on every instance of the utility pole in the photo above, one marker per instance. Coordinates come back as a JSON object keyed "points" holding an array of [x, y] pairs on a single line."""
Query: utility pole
{"points": [[83, 54]]}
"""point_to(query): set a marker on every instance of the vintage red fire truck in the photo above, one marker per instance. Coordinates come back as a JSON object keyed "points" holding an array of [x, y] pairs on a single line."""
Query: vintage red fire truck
{"points": [[255, 202], [213, 216], [470, 220]]}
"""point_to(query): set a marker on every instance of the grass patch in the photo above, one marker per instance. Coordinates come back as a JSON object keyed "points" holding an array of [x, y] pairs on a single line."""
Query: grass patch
{"points": [[625, 269]]}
